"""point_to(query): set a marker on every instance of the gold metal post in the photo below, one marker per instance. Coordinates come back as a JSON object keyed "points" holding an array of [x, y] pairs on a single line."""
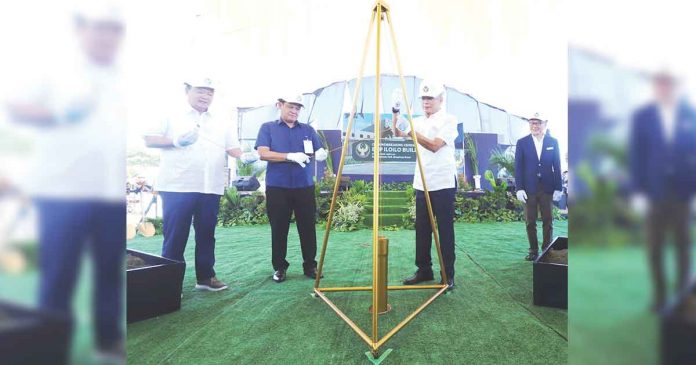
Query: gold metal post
{"points": [[382, 276], [375, 177]]}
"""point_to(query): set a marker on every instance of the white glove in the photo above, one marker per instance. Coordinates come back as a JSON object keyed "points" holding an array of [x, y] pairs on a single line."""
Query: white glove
{"points": [[640, 204], [186, 139], [403, 125], [249, 157], [298, 157], [522, 196], [557, 195], [76, 103], [320, 154], [76, 112], [397, 100]]}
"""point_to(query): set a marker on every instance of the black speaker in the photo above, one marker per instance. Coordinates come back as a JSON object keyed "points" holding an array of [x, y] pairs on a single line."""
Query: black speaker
{"points": [[246, 183]]}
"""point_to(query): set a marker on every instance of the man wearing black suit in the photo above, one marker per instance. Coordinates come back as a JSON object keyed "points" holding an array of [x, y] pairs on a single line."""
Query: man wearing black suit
{"points": [[538, 181], [662, 160]]}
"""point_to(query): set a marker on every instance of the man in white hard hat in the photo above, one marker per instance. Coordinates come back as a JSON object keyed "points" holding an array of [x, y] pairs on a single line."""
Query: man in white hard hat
{"points": [[436, 132], [79, 107], [538, 181], [195, 143], [288, 146], [662, 163]]}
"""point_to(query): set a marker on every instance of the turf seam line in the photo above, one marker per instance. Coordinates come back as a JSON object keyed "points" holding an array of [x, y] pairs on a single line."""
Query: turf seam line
{"points": [[511, 297]]}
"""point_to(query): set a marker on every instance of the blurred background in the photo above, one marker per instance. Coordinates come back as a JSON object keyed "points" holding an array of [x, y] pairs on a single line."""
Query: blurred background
{"points": [[631, 156]]}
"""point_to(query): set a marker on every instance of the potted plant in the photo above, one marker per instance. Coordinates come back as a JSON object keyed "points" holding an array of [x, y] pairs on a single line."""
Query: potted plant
{"points": [[505, 160], [473, 156]]}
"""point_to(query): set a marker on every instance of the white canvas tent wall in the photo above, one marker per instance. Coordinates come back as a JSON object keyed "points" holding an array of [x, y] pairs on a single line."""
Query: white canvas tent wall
{"points": [[325, 106]]}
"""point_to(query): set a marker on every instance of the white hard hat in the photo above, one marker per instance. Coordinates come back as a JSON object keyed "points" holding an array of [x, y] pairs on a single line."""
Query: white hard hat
{"points": [[200, 81], [99, 11], [538, 117], [294, 99], [430, 89]]}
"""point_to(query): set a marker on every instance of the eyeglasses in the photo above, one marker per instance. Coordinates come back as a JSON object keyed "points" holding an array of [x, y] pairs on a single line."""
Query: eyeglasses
{"points": [[536, 123]]}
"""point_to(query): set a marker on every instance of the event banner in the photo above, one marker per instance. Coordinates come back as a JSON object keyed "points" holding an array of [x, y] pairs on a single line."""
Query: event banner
{"points": [[397, 154]]}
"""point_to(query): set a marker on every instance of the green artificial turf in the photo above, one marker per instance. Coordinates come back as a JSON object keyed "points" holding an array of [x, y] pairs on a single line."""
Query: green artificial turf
{"points": [[488, 319], [610, 321]]}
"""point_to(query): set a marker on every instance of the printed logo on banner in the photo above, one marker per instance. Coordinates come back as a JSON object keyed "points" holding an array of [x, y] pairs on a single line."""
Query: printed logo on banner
{"points": [[362, 150], [389, 151]]}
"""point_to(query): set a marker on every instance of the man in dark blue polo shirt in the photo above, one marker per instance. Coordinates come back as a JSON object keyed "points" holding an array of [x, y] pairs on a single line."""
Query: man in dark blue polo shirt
{"points": [[287, 146]]}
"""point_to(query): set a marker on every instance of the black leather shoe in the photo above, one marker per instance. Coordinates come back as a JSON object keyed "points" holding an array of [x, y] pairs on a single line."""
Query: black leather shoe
{"points": [[279, 276], [419, 277], [312, 273], [531, 256], [450, 284]]}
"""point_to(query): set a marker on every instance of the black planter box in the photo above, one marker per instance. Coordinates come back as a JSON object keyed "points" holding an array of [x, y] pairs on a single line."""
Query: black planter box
{"points": [[154, 289], [678, 332], [551, 279], [29, 336]]}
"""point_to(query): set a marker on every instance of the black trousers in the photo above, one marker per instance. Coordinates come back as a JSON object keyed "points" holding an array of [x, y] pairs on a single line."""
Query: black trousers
{"points": [[443, 209], [665, 217], [280, 204]]}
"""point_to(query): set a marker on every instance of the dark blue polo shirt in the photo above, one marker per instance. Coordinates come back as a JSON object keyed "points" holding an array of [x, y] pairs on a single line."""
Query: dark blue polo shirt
{"points": [[279, 137]]}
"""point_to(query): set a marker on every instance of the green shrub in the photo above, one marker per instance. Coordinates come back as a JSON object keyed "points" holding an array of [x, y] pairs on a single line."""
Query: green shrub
{"points": [[157, 223], [396, 186], [504, 160], [348, 216], [326, 183], [497, 205], [242, 210], [353, 196], [358, 187]]}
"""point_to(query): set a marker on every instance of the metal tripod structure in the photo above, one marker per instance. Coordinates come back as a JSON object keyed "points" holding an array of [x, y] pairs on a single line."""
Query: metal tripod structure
{"points": [[379, 287]]}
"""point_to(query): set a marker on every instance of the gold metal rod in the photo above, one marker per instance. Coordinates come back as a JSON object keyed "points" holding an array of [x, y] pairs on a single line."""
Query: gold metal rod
{"points": [[436, 236], [407, 319], [369, 288], [375, 176], [339, 174], [345, 318]]}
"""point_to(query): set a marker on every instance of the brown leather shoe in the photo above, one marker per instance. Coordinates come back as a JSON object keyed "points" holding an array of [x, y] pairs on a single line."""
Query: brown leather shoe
{"points": [[212, 284]]}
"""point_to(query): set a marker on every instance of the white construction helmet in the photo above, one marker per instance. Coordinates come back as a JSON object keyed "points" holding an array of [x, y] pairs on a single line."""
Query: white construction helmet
{"points": [[431, 89], [293, 99]]}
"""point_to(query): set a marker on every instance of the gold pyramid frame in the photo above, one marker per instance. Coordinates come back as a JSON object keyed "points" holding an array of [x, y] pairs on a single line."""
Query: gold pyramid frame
{"points": [[380, 13]]}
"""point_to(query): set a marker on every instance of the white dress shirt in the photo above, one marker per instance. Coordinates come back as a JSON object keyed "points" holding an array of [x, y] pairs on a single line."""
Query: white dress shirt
{"points": [[85, 158], [440, 167], [539, 144], [200, 167], [668, 119]]}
